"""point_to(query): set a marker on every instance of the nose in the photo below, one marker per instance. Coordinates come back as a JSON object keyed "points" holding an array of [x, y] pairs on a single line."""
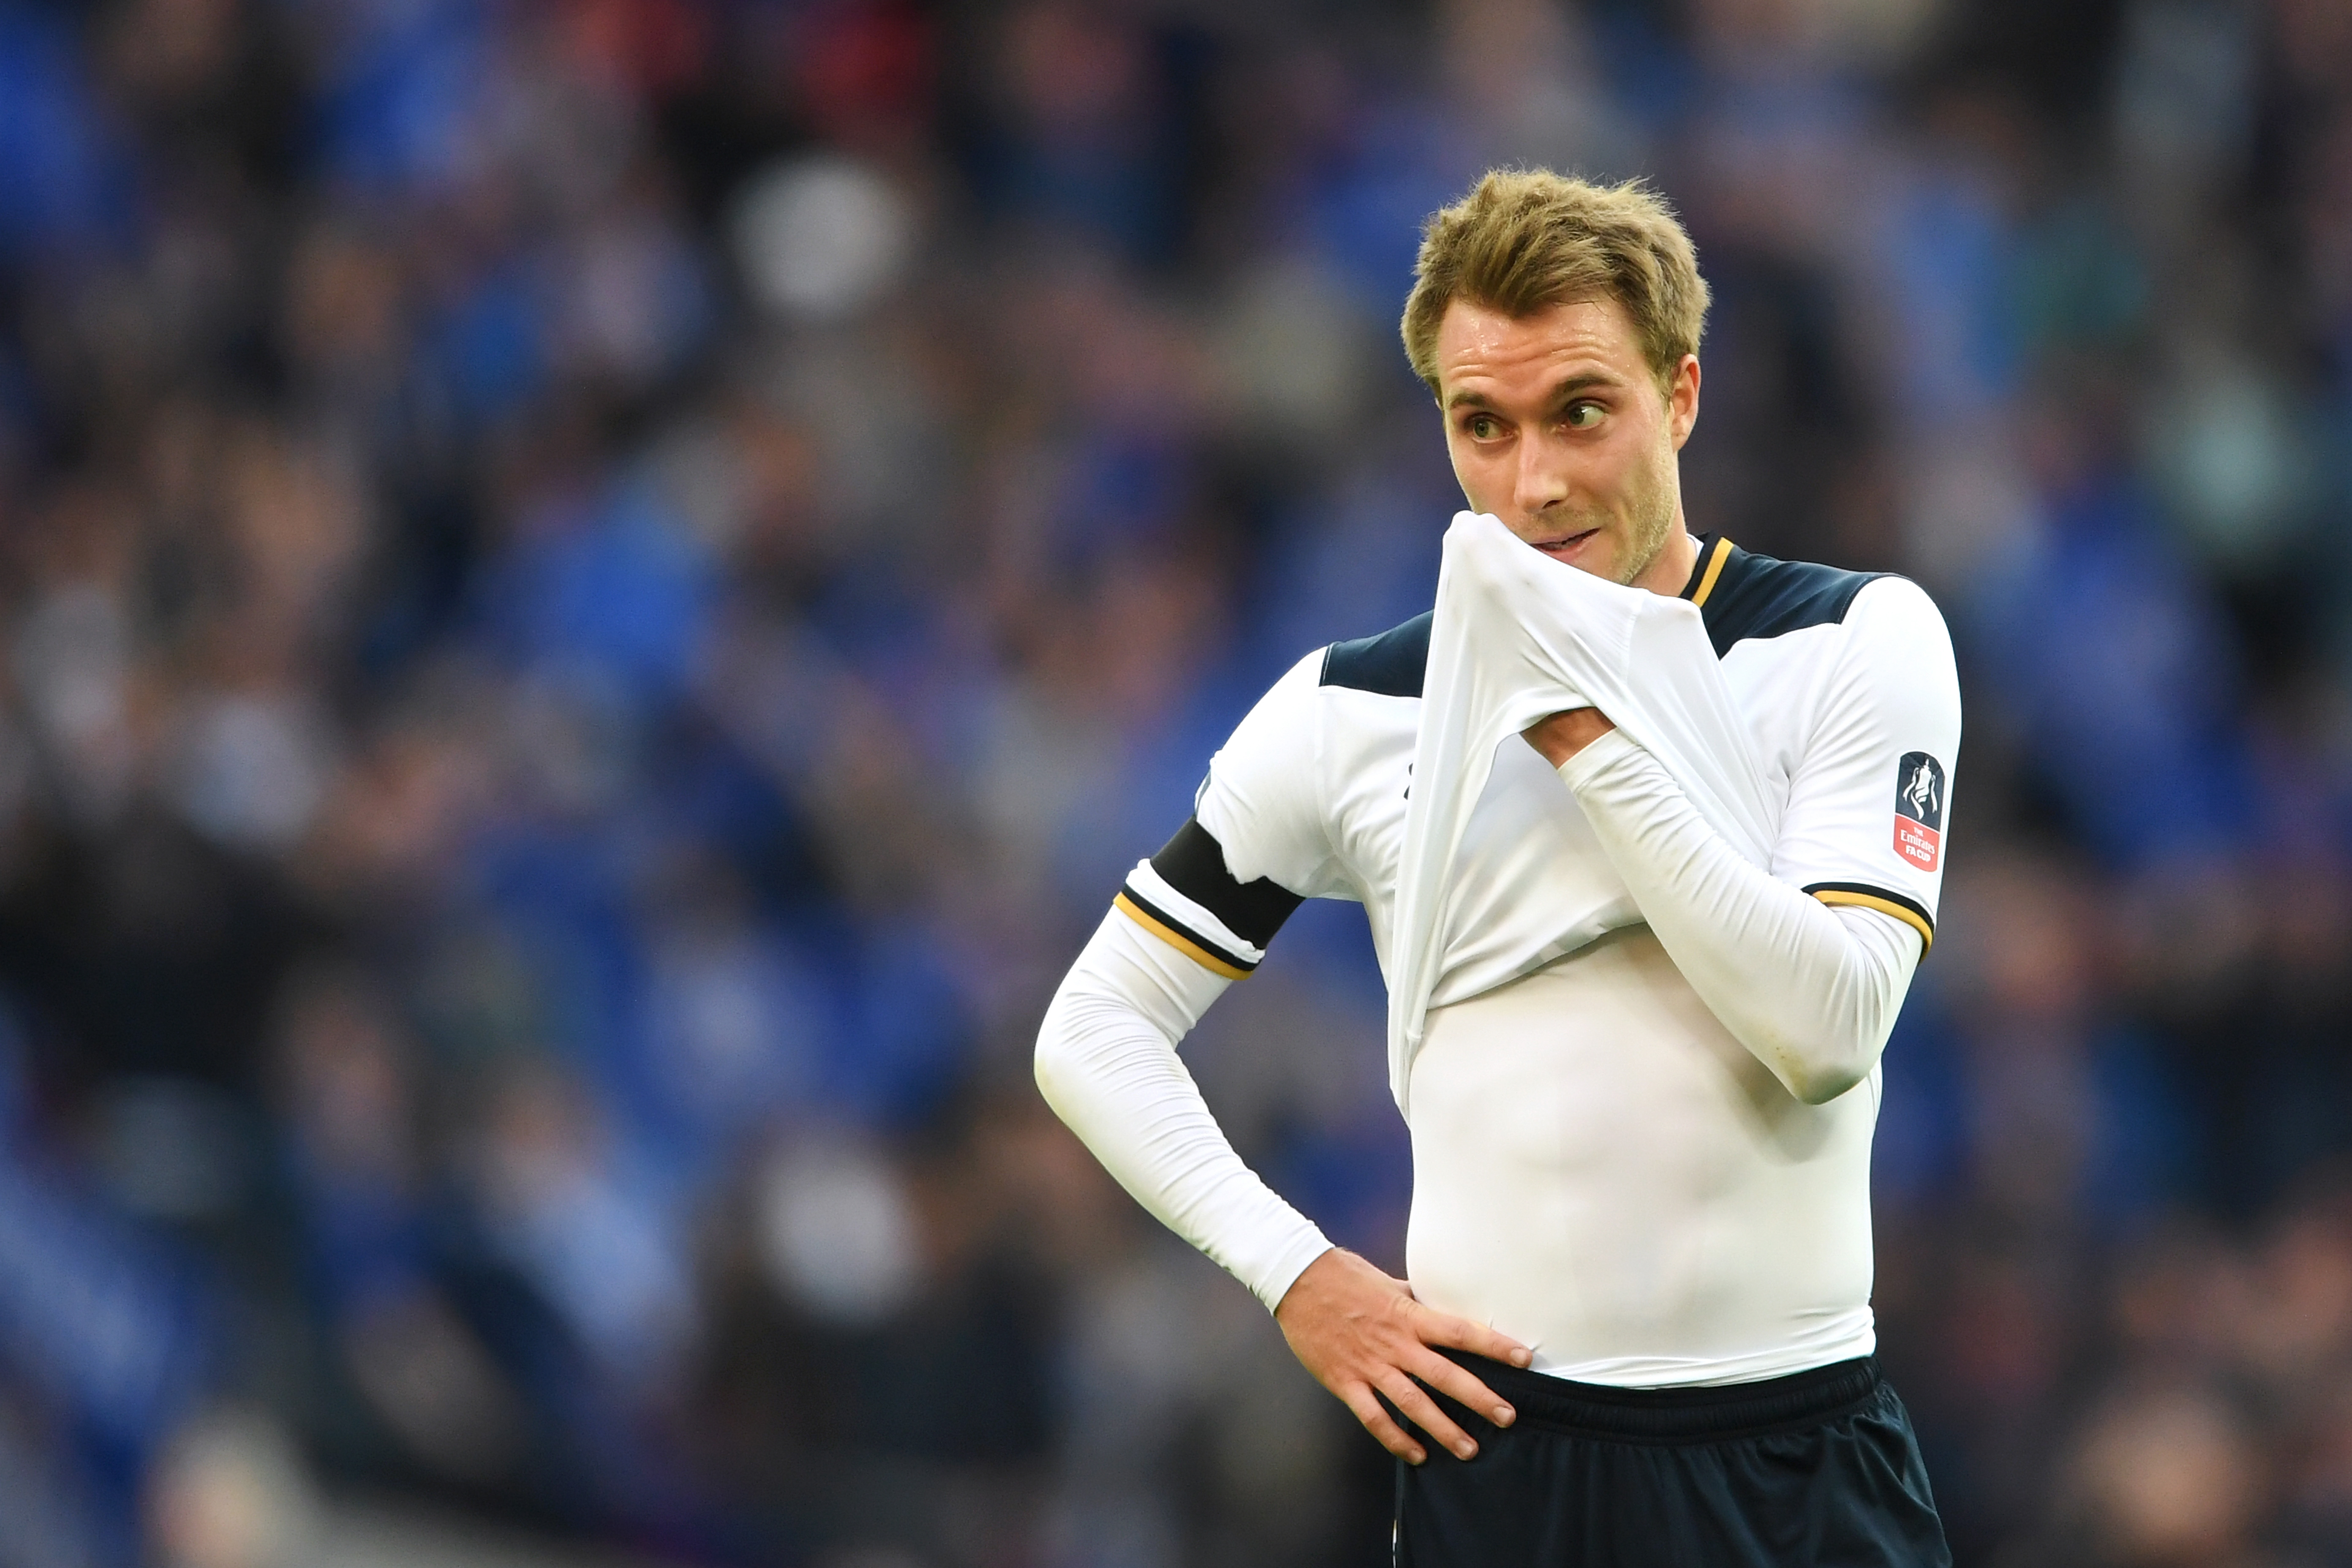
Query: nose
{"points": [[1542, 474]]}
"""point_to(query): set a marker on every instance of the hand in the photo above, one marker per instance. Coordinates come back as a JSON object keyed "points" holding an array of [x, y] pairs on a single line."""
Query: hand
{"points": [[1357, 1330], [1563, 735]]}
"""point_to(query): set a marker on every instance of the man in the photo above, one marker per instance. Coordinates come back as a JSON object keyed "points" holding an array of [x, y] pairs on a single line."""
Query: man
{"points": [[1637, 1329]]}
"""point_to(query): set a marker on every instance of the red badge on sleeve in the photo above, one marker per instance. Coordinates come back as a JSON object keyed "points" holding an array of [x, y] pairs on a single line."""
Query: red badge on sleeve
{"points": [[1919, 810]]}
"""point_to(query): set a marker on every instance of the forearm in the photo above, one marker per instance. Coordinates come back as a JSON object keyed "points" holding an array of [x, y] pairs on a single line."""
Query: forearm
{"points": [[1107, 1063], [1811, 991]]}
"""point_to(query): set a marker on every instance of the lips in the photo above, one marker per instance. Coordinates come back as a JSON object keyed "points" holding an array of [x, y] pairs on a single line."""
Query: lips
{"points": [[1565, 548]]}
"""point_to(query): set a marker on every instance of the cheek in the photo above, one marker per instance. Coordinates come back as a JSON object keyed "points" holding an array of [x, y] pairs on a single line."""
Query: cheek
{"points": [[1631, 463], [1471, 471], [1664, 466], [1605, 470]]}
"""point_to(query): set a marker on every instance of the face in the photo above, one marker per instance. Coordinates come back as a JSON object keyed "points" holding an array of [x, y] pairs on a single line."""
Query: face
{"points": [[1556, 426]]}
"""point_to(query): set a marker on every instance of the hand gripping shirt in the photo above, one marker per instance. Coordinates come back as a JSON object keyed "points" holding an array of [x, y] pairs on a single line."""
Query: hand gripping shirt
{"points": [[1601, 1168]]}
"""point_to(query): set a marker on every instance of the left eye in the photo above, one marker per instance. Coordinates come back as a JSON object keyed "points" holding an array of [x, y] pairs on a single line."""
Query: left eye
{"points": [[1584, 416]]}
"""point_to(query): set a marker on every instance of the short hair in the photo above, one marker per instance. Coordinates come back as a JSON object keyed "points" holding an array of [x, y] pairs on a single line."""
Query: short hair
{"points": [[1524, 240]]}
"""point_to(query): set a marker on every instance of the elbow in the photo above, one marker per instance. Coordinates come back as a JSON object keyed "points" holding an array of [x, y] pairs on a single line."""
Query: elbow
{"points": [[1075, 1041], [1064, 1083], [1819, 1083], [1058, 1078], [1817, 1072], [1823, 1054], [1052, 1063]]}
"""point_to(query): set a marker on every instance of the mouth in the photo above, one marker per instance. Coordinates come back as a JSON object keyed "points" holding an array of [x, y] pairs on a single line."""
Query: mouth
{"points": [[1567, 546]]}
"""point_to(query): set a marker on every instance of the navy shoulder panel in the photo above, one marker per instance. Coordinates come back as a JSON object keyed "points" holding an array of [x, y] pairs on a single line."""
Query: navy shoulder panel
{"points": [[1758, 597], [1390, 664]]}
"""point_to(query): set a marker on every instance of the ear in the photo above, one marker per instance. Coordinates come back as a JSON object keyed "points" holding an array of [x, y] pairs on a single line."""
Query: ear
{"points": [[1682, 400]]}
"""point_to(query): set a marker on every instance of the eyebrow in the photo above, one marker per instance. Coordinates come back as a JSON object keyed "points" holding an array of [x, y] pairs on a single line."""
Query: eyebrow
{"points": [[1559, 394]]}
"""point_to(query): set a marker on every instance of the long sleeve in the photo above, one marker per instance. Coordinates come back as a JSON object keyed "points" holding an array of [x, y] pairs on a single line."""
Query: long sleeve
{"points": [[1811, 990], [1107, 1063], [1808, 963]]}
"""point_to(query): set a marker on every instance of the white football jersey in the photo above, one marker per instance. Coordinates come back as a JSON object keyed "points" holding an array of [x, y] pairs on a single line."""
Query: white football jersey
{"points": [[1635, 1208]]}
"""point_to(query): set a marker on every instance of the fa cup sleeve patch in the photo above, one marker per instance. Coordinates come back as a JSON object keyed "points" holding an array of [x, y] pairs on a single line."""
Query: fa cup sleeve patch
{"points": [[1919, 810]]}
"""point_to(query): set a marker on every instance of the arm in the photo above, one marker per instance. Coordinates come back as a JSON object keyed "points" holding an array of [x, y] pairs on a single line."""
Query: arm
{"points": [[1808, 965], [1107, 1063], [1810, 990], [1181, 931]]}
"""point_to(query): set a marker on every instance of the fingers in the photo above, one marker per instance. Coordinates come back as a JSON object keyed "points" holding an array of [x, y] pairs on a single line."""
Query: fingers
{"points": [[1458, 1384], [1363, 1337], [1384, 1429], [1414, 1403], [1445, 1328]]}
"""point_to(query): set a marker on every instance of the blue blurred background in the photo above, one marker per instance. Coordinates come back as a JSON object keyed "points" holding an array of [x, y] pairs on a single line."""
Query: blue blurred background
{"points": [[598, 593]]}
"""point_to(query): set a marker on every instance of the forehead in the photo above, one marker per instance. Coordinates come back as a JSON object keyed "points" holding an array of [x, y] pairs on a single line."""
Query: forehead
{"points": [[1477, 343]]}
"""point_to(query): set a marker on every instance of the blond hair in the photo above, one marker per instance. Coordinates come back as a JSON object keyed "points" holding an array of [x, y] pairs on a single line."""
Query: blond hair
{"points": [[1525, 239]]}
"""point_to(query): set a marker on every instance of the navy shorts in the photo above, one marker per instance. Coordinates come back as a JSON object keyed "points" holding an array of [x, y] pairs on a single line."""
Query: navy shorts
{"points": [[1818, 1470]]}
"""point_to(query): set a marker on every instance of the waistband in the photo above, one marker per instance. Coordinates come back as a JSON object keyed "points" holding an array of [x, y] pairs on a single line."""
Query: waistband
{"points": [[1715, 1415]]}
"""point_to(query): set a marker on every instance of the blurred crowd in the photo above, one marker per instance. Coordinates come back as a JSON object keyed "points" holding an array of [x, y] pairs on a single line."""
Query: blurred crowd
{"points": [[598, 593]]}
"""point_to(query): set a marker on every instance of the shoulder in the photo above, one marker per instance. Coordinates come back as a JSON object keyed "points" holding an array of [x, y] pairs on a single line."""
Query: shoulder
{"points": [[1295, 691], [1390, 664], [1894, 664], [1263, 798], [1893, 631], [1280, 722], [1891, 605], [1751, 596]]}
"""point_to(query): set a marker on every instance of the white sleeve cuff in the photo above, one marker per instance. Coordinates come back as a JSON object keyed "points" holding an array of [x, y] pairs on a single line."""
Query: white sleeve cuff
{"points": [[1589, 763]]}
